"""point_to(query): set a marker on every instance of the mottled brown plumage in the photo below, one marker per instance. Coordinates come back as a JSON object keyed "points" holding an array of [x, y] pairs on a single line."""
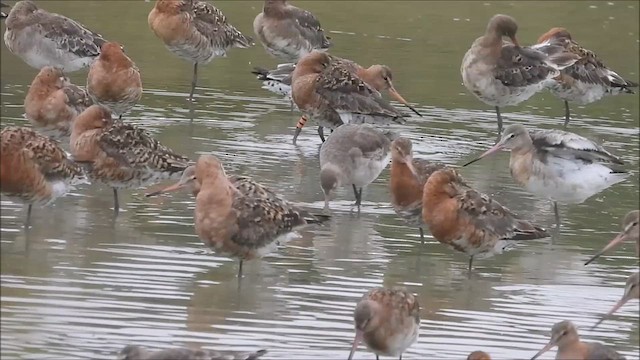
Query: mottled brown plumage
{"points": [[586, 81], [195, 31], [565, 336], [237, 216], [406, 182], [114, 80], [134, 352], [469, 221], [387, 320], [52, 103], [34, 168], [332, 95], [121, 155]]}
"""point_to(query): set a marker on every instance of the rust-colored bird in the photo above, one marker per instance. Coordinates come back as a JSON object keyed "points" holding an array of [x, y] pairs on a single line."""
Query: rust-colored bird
{"points": [[121, 155], [479, 355], [52, 103], [406, 182], [631, 291], [332, 95], [195, 31], [237, 216], [387, 321], [630, 231], [565, 336], [469, 221], [114, 80], [35, 169]]}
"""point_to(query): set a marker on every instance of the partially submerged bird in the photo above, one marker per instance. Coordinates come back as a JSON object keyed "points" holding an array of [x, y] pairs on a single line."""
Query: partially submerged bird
{"points": [[332, 95], [53, 102], [631, 291], [469, 221], [587, 80], [41, 38], [502, 73], [387, 320], [35, 169], [121, 155], [558, 165], [565, 336], [408, 176], [630, 231], [195, 31], [135, 352], [479, 355], [288, 32], [237, 216], [353, 155], [114, 80]]}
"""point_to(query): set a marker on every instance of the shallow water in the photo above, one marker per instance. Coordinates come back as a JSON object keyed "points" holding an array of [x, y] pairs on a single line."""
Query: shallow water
{"points": [[79, 285]]}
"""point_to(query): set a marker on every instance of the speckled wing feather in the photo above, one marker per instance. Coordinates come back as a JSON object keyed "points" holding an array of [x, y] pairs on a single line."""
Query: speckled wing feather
{"points": [[344, 91], [68, 34], [46, 154], [136, 148], [263, 217], [78, 97], [247, 187], [488, 214], [588, 68], [399, 298], [565, 144], [212, 23], [425, 168], [309, 27], [520, 67]]}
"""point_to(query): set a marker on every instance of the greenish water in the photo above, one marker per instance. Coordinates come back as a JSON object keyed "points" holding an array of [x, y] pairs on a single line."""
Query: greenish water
{"points": [[79, 286]]}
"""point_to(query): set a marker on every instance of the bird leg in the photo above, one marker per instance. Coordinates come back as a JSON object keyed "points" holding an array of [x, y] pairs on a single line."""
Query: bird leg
{"points": [[321, 133], [566, 114], [120, 117], [499, 120], [556, 213], [28, 221], [470, 264], [400, 358], [421, 237], [240, 271], [194, 81], [299, 126], [116, 203]]}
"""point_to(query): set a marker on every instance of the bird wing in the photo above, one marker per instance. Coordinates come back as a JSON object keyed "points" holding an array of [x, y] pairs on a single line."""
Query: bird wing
{"points": [[78, 97], [309, 27], [488, 214], [213, 24], [565, 144], [425, 168], [68, 34], [261, 219], [521, 66], [345, 91], [135, 147]]}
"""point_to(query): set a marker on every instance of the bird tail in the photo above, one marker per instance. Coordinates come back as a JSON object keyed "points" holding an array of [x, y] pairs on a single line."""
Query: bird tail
{"points": [[243, 41], [621, 84], [261, 73]]}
